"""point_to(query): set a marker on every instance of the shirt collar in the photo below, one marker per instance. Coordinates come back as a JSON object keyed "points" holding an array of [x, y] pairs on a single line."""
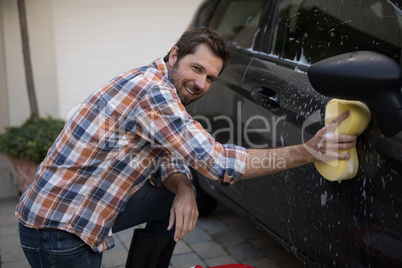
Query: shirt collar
{"points": [[161, 66]]}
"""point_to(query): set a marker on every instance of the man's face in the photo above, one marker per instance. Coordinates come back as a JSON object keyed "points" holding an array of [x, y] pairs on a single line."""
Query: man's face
{"points": [[194, 73]]}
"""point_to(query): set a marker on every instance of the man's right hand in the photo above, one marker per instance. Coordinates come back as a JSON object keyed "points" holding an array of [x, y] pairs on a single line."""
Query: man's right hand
{"points": [[325, 144]]}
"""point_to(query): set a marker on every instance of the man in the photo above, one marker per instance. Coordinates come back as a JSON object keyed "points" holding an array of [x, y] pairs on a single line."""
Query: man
{"points": [[94, 180]]}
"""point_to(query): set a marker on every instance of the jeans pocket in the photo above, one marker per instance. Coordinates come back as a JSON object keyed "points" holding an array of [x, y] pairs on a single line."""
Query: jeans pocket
{"points": [[67, 243], [31, 243], [56, 248], [33, 256], [73, 252]]}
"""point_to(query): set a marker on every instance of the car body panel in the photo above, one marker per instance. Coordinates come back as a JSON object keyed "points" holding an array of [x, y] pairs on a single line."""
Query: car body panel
{"points": [[355, 223]]}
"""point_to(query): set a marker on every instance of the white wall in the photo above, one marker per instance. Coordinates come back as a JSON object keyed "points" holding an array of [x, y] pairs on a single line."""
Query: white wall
{"points": [[96, 40], [39, 20], [4, 115], [78, 45], [16, 91], [42, 46]]}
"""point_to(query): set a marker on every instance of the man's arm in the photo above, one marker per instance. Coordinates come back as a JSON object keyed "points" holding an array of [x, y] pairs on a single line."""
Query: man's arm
{"points": [[320, 148], [184, 211]]}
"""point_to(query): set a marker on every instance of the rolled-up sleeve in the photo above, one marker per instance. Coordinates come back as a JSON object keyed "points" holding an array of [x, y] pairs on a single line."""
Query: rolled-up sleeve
{"points": [[162, 120], [169, 165]]}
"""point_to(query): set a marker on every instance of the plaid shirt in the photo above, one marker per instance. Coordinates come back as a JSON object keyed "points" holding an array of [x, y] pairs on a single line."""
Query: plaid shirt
{"points": [[133, 129]]}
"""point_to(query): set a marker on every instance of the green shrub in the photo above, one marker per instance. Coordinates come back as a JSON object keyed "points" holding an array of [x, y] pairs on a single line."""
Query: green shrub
{"points": [[32, 139]]}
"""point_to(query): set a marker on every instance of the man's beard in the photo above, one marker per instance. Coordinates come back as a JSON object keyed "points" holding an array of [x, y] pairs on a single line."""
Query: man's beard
{"points": [[173, 73], [172, 76]]}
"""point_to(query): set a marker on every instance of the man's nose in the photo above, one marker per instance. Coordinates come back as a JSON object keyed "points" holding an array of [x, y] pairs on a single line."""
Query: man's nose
{"points": [[201, 82]]}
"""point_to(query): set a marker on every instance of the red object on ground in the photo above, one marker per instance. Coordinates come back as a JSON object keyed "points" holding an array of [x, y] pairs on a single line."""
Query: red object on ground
{"points": [[233, 266], [229, 266]]}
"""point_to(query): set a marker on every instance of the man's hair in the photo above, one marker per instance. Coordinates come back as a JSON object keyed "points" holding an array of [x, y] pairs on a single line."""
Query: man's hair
{"points": [[190, 40]]}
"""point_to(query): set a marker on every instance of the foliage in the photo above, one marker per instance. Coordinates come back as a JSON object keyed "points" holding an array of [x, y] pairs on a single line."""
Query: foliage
{"points": [[32, 139]]}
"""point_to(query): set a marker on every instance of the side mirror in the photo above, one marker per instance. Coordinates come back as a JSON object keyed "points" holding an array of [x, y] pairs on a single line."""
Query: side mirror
{"points": [[365, 76]]}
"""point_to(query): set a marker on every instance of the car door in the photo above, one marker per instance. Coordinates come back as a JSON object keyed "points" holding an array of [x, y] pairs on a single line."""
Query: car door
{"points": [[356, 222], [219, 109]]}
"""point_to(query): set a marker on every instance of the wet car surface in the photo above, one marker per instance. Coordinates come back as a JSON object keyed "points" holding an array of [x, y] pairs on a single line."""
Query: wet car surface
{"points": [[265, 98]]}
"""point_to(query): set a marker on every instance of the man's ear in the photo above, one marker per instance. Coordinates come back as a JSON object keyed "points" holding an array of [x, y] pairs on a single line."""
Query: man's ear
{"points": [[173, 55]]}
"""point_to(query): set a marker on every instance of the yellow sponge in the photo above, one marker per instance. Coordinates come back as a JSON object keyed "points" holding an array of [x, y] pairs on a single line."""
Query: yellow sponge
{"points": [[355, 124]]}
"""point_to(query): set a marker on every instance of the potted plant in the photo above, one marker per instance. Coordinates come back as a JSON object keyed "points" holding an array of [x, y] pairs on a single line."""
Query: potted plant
{"points": [[26, 146]]}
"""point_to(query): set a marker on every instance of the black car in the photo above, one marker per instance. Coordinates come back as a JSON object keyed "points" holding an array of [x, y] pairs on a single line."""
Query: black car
{"points": [[289, 58]]}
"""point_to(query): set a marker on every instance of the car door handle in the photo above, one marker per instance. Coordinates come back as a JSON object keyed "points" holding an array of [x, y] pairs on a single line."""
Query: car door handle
{"points": [[265, 97]]}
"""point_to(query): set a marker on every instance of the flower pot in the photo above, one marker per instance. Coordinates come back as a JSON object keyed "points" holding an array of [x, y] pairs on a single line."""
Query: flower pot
{"points": [[24, 171]]}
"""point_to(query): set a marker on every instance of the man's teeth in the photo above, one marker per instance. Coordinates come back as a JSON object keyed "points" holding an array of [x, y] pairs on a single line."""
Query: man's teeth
{"points": [[189, 91]]}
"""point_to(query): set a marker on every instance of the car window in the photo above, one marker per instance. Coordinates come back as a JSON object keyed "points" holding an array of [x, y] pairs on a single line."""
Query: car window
{"points": [[204, 13], [237, 20], [311, 30]]}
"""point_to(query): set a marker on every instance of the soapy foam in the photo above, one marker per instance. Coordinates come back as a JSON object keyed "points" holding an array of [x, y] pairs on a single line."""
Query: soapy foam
{"points": [[329, 135], [351, 167], [319, 145]]}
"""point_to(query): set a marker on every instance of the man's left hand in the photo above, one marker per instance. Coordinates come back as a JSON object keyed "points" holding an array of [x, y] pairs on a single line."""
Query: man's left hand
{"points": [[184, 211]]}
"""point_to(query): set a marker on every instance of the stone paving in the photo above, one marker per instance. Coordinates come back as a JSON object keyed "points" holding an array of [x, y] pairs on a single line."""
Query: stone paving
{"points": [[220, 238]]}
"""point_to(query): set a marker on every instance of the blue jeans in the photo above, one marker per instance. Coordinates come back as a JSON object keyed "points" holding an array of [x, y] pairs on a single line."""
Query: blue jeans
{"points": [[55, 248]]}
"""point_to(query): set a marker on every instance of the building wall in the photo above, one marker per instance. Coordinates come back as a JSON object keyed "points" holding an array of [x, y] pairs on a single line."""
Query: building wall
{"points": [[42, 46], [4, 117], [78, 45], [18, 106], [98, 39], [41, 43]]}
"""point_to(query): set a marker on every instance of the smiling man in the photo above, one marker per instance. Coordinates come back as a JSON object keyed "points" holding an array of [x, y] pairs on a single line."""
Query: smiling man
{"points": [[95, 178], [191, 78]]}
